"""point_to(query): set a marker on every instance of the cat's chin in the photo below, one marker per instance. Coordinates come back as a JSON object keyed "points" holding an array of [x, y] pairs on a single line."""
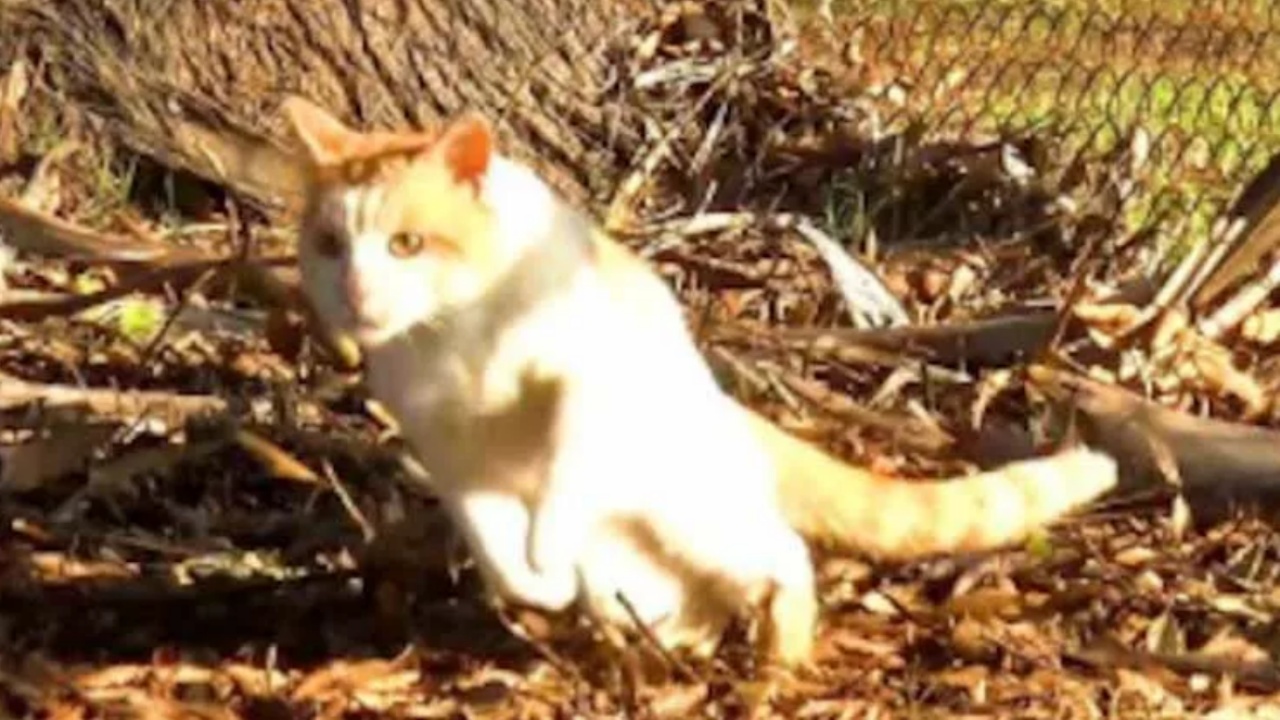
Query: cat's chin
{"points": [[371, 337]]}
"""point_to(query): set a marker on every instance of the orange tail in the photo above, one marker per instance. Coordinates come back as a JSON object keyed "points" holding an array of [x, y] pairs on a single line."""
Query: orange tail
{"points": [[838, 505]]}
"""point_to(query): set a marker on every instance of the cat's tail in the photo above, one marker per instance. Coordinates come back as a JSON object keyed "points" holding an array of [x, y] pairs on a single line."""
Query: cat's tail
{"points": [[843, 507]]}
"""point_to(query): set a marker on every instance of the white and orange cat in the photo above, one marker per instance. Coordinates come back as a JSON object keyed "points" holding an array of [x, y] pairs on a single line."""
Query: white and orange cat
{"points": [[546, 379]]}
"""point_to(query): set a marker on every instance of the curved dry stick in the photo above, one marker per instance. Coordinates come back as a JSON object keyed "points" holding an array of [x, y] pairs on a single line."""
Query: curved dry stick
{"points": [[37, 232]]}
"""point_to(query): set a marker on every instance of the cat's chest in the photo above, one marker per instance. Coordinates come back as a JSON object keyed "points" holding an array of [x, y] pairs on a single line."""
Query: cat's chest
{"points": [[489, 421], [430, 389], [417, 386]]}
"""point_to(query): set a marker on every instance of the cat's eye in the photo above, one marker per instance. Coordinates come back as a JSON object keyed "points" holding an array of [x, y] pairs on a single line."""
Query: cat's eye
{"points": [[406, 244], [328, 244]]}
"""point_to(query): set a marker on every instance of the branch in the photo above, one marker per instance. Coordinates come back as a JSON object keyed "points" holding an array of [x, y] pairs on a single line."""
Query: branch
{"points": [[16, 393], [43, 234], [1214, 457]]}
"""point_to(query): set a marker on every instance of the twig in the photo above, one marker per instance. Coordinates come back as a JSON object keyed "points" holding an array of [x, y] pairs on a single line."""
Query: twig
{"points": [[113, 404], [367, 530], [868, 302], [157, 340], [1258, 205], [907, 431], [1184, 281], [179, 275], [1233, 312], [138, 591], [866, 299], [647, 633], [550, 655], [834, 348], [1084, 262], [622, 209], [990, 341], [1224, 238]]}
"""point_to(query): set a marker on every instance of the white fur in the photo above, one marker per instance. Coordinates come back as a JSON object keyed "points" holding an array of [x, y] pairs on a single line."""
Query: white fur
{"points": [[645, 437]]}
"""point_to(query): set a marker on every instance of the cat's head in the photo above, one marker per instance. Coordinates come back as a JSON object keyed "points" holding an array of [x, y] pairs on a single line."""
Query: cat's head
{"points": [[395, 228]]}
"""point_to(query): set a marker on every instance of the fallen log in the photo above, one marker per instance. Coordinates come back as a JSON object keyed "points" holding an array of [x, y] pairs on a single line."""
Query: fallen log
{"points": [[1217, 462]]}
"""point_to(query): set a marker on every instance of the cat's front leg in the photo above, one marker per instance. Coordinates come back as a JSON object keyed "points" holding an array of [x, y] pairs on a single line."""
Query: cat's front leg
{"points": [[570, 510], [496, 526], [562, 526]]}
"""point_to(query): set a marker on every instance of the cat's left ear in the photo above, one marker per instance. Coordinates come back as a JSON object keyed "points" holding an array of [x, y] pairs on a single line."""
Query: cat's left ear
{"points": [[323, 136], [467, 147]]}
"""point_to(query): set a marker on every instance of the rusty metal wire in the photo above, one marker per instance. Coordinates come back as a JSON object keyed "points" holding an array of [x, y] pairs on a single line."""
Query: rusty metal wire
{"points": [[1185, 93]]}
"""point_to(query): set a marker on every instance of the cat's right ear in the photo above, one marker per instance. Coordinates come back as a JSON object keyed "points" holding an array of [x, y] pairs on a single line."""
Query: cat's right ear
{"points": [[323, 136], [467, 146]]}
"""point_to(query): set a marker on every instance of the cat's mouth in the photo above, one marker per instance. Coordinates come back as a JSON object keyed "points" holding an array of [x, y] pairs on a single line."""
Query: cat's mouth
{"points": [[368, 327], [370, 330], [361, 322], [366, 322], [360, 314]]}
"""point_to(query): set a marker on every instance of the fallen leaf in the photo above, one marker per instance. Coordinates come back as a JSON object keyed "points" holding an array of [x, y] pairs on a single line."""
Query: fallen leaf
{"points": [[679, 701], [876, 602], [1165, 636], [1227, 644], [1262, 327]]}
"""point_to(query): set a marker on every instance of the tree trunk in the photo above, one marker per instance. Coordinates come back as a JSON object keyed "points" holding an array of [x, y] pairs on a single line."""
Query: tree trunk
{"points": [[196, 84]]}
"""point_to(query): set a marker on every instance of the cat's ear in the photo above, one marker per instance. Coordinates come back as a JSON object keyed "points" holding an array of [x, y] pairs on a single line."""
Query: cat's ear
{"points": [[466, 146], [323, 136]]}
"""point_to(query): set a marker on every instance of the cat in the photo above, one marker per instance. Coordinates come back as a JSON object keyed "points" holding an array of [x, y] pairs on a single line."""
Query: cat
{"points": [[545, 377]]}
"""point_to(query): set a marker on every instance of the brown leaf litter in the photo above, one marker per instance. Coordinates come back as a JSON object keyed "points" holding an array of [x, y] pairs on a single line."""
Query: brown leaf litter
{"points": [[216, 524]]}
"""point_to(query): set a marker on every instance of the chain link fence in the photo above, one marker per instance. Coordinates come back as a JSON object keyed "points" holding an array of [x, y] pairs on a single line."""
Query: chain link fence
{"points": [[1181, 98], [918, 119]]}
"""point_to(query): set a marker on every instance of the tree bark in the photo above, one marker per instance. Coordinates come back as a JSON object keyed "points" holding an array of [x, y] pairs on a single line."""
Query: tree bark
{"points": [[195, 84]]}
